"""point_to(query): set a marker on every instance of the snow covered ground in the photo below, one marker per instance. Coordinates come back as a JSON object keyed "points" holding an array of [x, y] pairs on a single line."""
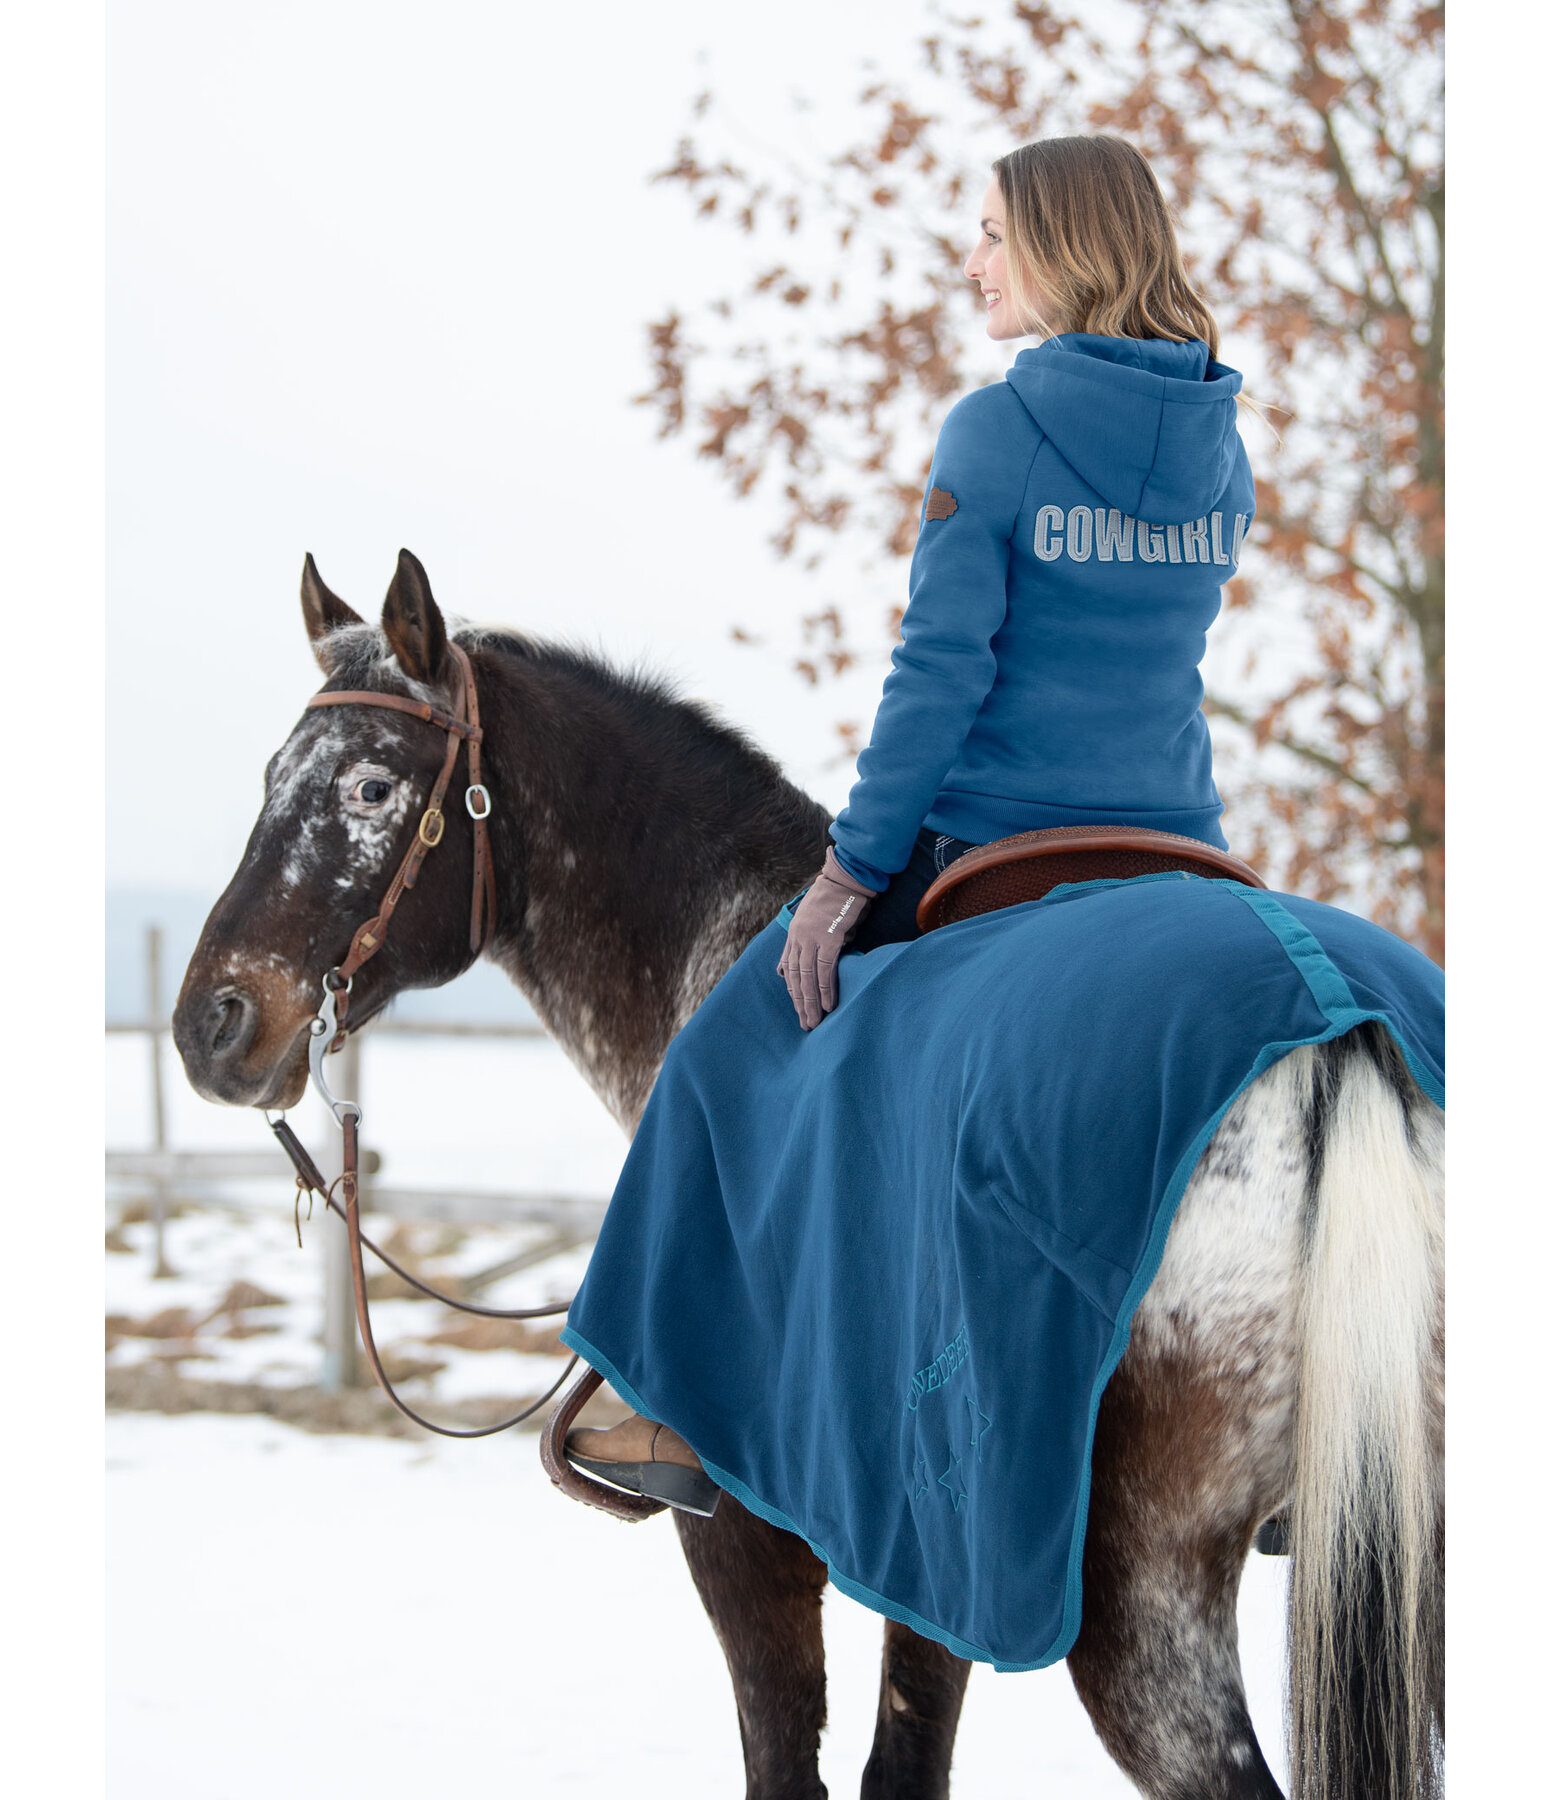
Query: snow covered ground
{"points": [[525, 1122], [328, 1616], [245, 1302]]}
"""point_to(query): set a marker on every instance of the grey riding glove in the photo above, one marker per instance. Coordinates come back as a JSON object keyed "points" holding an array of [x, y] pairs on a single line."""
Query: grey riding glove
{"points": [[830, 911]]}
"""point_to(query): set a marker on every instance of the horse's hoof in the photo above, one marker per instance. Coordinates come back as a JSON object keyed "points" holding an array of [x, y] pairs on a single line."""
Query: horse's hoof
{"points": [[690, 1490]]}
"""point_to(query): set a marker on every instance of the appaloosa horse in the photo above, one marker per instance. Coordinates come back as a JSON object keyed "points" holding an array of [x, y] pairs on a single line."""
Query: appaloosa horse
{"points": [[1288, 1353]]}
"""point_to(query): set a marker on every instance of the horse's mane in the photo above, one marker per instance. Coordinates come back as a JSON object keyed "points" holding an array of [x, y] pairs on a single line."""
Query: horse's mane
{"points": [[657, 719]]}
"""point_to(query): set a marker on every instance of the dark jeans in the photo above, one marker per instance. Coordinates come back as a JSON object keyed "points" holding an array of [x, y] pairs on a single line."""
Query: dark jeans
{"points": [[890, 919]]}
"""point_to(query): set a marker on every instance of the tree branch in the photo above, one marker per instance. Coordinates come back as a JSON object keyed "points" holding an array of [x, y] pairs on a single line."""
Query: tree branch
{"points": [[1307, 752], [1346, 182]]}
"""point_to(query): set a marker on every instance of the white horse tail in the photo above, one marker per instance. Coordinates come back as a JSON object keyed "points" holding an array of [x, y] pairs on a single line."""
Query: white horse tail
{"points": [[1366, 1578]]}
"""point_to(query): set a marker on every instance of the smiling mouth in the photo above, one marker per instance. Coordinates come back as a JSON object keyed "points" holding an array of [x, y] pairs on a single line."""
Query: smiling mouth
{"points": [[992, 296]]}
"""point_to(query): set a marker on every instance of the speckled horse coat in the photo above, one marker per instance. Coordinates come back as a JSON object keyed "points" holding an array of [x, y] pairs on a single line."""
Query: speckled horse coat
{"points": [[1287, 1353]]}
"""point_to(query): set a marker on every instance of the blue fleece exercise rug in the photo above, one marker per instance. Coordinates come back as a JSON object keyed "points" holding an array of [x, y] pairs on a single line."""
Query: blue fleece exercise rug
{"points": [[879, 1274]]}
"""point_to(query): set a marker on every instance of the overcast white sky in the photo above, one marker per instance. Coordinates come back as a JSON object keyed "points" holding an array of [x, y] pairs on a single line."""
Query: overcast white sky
{"points": [[380, 276], [219, 479]]}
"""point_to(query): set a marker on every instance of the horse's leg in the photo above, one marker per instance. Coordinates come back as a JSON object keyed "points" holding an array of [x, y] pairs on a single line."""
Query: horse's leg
{"points": [[1156, 1662], [763, 1589], [917, 1718], [1194, 1447]]}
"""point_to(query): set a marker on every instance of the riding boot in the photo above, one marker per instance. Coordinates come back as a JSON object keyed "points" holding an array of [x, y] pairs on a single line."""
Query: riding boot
{"points": [[645, 1458]]}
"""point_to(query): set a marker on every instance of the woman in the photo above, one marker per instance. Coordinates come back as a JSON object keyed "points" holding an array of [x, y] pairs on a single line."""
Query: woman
{"points": [[1079, 521]]}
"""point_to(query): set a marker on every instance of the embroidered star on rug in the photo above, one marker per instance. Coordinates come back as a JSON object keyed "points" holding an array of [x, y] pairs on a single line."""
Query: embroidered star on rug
{"points": [[979, 1424], [957, 1493]]}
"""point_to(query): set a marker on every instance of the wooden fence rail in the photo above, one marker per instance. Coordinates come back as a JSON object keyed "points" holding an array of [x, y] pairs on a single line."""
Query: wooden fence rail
{"points": [[167, 1176]]}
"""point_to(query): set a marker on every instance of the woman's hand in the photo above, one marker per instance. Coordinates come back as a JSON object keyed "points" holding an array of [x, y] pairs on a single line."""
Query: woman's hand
{"points": [[831, 910]]}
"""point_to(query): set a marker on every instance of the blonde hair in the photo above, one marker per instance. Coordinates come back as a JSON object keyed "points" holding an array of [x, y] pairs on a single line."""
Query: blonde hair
{"points": [[1087, 228]]}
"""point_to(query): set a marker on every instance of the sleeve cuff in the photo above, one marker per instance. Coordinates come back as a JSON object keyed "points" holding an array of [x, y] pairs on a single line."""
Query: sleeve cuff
{"points": [[864, 873]]}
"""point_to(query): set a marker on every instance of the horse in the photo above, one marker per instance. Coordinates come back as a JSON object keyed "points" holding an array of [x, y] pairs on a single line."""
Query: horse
{"points": [[1286, 1360]]}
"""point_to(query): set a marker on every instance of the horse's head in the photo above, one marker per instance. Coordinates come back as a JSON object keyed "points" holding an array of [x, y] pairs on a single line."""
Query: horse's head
{"points": [[343, 801]]}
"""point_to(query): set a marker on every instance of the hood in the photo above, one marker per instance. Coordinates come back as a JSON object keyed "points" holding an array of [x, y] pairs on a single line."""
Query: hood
{"points": [[1150, 425]]}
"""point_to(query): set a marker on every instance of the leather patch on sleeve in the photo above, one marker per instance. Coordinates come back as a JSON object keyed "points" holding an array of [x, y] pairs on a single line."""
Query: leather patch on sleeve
{"points": [[940, 504]]}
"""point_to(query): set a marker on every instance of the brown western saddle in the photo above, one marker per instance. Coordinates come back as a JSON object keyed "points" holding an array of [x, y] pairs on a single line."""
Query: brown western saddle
{"points": [[1026, 867]]}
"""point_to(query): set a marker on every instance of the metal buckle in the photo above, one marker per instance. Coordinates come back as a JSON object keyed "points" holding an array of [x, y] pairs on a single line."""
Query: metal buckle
{"points": [[432, 823], [483, 792], [324, 1029]]}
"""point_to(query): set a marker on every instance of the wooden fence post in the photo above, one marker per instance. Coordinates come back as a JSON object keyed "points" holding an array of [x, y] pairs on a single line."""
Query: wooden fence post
{"points": [[341, 1357], [156, 1021], [189, 1177]]}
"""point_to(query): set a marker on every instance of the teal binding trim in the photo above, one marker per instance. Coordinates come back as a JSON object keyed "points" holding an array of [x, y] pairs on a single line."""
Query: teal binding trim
{"points": [[788, 912], [1337, 1003], [772, 1515], [1325, 982], [1342, 1014], [1304, 951]]}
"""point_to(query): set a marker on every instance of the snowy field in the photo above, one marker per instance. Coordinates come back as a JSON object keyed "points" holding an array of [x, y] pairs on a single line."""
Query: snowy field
{"points": [[525, 1122], [332, 1615]]}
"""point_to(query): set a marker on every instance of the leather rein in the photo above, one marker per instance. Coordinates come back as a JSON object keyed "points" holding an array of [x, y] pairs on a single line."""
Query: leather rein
{"points": [[328, 1029]]}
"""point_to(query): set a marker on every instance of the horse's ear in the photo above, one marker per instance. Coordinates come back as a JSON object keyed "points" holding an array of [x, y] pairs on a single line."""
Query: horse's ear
{"points": [[324, 612], [413, 623]]}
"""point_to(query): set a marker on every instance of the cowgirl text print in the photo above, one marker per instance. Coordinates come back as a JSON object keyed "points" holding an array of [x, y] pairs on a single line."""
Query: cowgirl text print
{"points": [[1114, 536]]}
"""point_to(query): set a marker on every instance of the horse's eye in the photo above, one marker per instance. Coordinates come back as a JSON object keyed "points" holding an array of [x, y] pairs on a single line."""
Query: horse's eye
{"points": [[372, 791]]}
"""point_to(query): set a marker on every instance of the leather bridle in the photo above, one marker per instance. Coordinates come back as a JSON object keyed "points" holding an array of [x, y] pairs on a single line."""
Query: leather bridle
{"points": [[328, 1028], [461, 727]]}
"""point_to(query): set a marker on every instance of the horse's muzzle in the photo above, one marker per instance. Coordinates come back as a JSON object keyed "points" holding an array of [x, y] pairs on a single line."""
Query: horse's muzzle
{"points": [[217, 1033]]}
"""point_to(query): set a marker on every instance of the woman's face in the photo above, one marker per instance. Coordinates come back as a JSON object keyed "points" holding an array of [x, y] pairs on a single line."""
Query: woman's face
{"points": [[987, 266]]}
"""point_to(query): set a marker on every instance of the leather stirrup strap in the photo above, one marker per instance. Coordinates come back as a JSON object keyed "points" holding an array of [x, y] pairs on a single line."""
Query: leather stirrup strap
{"points": [[569, 1479]]}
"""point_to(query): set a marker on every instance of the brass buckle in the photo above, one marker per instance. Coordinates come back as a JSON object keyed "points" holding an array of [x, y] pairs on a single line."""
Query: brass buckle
{"points": [[432, 823]]}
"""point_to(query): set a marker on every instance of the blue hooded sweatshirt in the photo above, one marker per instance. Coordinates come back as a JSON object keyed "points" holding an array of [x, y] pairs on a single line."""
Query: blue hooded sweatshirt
{"points": [[1079, 522]]}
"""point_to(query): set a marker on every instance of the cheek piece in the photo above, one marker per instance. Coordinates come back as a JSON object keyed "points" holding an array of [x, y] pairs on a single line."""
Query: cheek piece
{"points": [[460, 727]]}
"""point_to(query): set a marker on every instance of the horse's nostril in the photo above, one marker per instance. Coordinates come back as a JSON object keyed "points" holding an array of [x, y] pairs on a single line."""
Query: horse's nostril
{"points": [[231, 1018]]}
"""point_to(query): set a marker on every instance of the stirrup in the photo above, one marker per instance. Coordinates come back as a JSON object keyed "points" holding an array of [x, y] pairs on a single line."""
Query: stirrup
{"points": [[690, 1490], [570, 1480]]}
